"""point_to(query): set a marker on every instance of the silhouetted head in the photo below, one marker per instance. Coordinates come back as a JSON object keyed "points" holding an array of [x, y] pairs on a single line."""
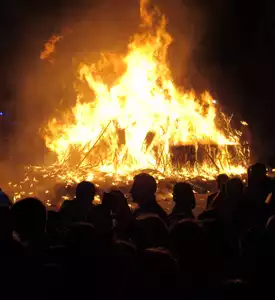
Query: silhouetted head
{"points": [[234, 188], [120, 199], [123, 249], [150, 231], [144, 188], [158, 274], [115, 201], [125, 255], [81, 238], [85, 192], [102, 221], [256, 173], [29, 217], [157, 261], [186, 238], [221, 180], [183, 195]]}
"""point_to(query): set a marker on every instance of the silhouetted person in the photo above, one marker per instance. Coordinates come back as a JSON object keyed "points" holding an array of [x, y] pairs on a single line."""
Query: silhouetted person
{"points": [[257, 174], [256, 210], [88, 266], [149, 231], [184, 199], [13, 260], [117, 207], [233, 199], [221, 181], [217, 250], [29, 223], [143, 193], [81, 239], [259, 185], [8, 246], [76, 210], [234, 188], [124, 265], [186, 241], [101, 219], [157, 275], [208, 215], [55, 227], [256, 260], [5, 217]]}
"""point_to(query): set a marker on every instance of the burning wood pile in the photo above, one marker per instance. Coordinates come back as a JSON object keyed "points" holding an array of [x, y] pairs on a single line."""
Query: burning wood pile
{"points": [[139, 120]]}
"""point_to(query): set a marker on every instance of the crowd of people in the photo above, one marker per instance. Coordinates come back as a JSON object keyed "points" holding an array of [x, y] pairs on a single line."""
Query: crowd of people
{"points": [[107, 250]]}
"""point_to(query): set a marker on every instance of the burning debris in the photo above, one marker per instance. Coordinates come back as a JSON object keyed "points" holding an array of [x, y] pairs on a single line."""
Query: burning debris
{"points": [[53, 188], [50, 47]]}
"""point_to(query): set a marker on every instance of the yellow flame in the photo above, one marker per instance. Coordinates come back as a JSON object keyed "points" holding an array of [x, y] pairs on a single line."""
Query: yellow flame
{"points": [[133, 122], [244, 123]]}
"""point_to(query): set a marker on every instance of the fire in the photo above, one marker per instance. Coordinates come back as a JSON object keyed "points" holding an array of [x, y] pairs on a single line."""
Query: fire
{"points": [[50, 47], [132, 122]]}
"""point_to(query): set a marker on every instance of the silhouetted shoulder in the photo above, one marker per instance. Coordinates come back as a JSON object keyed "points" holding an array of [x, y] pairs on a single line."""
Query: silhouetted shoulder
{"points": [[67, 204], [151, 208]]}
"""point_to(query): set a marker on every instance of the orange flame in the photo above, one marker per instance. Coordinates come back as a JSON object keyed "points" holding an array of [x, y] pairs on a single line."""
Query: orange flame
{"points": [[132, 123], [50, 47]]}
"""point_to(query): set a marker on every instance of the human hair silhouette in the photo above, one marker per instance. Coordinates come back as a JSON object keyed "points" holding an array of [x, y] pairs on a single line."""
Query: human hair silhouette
{"points": [[85, 192], [184, 199], [143, 193]]}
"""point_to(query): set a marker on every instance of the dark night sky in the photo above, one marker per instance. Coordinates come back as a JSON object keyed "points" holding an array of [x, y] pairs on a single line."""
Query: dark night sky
{"points": [[235, 52]]}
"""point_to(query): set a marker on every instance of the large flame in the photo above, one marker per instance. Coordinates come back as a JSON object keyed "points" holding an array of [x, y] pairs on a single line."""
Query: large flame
{"points": [[132, 122]]}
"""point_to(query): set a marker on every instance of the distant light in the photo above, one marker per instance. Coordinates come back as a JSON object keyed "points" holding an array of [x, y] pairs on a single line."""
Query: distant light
{"points": [[214, 101], [1, 113], [244, 123]]}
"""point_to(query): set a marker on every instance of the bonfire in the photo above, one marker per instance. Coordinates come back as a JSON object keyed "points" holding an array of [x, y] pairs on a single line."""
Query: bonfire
{"points": [[138, 121]]}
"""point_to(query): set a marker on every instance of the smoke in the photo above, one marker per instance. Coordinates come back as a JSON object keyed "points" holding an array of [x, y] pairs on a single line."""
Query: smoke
{"points": [[186, 25]]}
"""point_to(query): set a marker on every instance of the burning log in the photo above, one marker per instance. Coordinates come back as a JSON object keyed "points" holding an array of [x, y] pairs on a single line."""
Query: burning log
{"points": [[91, 149]]}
